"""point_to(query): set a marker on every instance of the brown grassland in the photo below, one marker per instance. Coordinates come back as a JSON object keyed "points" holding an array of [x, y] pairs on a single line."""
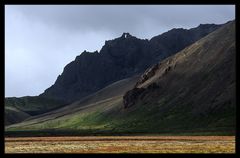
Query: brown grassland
{"points": [[121, 144]]}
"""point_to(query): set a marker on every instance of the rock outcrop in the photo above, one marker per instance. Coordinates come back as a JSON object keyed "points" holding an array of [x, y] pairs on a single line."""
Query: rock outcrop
{"points": [[130, 97]]}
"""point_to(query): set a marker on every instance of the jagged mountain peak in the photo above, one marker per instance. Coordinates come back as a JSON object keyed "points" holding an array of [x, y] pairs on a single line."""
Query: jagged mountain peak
{"points": [[124, 38], [126, 35], [85, 53], [119, 58]]}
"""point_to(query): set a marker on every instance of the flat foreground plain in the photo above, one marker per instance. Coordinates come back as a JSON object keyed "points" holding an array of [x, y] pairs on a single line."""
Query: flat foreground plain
{"points": [[121, 144]]}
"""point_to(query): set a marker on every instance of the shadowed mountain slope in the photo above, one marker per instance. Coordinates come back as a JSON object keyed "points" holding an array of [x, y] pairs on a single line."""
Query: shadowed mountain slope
{"points": [[195, 85], [191, 92]]}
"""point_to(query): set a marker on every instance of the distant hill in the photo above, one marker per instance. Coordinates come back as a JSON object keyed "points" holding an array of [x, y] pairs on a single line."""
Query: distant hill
{"points": [[19, 109], [191, 92], [13, 115]]}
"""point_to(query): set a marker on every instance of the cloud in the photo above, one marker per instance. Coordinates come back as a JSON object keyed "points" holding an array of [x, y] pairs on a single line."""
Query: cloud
{"points": [[120, 18], [41, 39]]}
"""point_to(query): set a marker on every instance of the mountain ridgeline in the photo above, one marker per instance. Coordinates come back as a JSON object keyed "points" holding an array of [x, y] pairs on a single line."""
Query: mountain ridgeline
{"points": [[190, 92], [120, 58], [197, 84]]}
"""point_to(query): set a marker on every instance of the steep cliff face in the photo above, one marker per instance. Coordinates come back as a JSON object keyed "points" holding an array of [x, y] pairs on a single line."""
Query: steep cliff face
{"points": [[90, 72], [118, 59]]}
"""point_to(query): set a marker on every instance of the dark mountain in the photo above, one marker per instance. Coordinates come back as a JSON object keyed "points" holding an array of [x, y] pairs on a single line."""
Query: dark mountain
{"points": [[118, 59], [189, 93]]}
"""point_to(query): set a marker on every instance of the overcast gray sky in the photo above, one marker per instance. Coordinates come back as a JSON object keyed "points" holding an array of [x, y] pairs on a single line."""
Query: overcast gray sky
{"points": [[41, 39]]}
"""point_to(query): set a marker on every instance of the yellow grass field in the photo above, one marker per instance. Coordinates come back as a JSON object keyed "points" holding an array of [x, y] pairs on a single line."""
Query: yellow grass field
{"points": [[121, 144]]}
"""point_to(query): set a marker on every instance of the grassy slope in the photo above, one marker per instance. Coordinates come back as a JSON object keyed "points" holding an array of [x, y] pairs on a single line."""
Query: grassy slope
{"points": [[70, 116], [108, 117], [190, 100]]}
